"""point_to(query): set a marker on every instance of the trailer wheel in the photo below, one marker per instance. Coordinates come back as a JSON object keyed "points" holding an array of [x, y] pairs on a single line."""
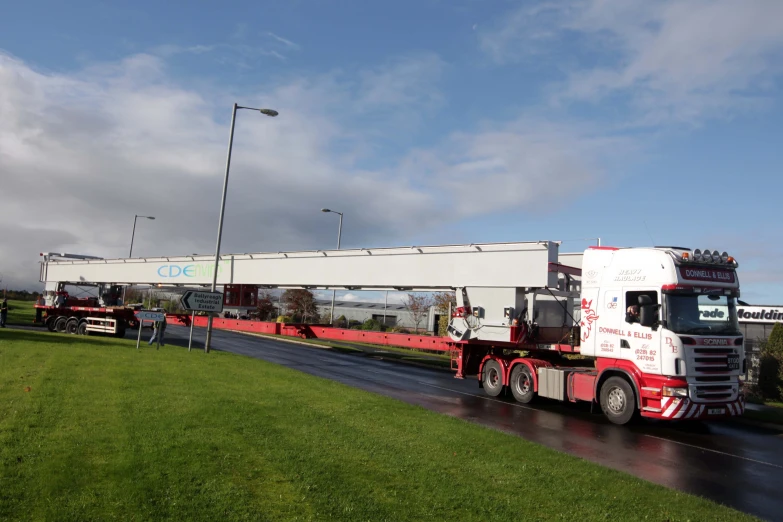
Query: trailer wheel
{"points": [[50, 323], [521, 384], [72, 326], [59, 324], [82, 330], [492, 377], [617, 400]]}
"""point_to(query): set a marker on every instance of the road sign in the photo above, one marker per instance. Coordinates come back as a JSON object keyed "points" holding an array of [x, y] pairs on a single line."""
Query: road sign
{"points": [[202, 301], [144, 315]]}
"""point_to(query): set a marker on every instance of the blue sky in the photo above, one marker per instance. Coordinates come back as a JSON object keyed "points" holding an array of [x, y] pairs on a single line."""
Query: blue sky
{"points": [[426, 122]]}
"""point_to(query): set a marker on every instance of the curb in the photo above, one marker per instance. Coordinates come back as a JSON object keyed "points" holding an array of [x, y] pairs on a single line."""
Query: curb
{"points": [[322, 347]]}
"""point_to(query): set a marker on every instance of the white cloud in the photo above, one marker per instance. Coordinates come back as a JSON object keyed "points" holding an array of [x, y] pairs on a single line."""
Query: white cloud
{"points": [[402, 82], [82, 152], [674, 60], [284, 41]]}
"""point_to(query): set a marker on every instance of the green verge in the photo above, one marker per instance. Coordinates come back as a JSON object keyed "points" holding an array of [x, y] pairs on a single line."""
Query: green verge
{"points": [[772, 414], [21, 312], [435, 360], [92, 429]]}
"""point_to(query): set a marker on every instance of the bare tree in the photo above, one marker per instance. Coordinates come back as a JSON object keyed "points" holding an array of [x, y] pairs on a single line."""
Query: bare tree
{"points": [[418, 305]]}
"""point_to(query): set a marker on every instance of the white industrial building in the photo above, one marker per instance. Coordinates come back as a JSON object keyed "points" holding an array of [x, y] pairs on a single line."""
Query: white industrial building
{"points": [[391, 314]]}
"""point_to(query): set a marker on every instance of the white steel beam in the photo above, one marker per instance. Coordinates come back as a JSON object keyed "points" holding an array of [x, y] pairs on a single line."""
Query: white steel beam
{"points": [[408, 268]]}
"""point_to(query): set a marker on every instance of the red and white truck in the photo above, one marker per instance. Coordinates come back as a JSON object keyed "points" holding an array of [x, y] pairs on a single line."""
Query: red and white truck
{"points": [[528, 320]]}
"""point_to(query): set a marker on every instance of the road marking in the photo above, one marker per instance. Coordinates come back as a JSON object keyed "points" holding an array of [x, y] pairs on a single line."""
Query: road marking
{"points": [[715, 451]]}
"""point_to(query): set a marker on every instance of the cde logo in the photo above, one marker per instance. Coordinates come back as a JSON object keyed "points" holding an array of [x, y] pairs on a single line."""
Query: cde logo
{"points": [[190, 270]]}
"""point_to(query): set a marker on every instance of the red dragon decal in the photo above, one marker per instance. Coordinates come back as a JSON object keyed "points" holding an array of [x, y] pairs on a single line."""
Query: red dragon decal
{"points": [[588, 318]]}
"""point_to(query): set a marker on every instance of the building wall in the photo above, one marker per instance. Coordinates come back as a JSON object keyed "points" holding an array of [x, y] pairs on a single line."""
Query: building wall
{"points": [[394, 316]]}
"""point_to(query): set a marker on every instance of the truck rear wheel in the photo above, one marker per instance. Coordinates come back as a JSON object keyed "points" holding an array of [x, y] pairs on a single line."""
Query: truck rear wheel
{"points": [[59, 324], [617, 400], [521, 384], [492, 377], [82, 330], [72, 326]]}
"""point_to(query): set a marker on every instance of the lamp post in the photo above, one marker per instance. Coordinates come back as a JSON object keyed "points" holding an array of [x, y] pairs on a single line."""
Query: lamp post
{"points": [[133, 234], [130, 253], [339, 233], [266, 112]]}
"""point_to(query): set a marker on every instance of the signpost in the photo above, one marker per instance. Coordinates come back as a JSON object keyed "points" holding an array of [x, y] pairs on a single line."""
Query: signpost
{"points": [[202, 301], [211, 302], [146, 315]]}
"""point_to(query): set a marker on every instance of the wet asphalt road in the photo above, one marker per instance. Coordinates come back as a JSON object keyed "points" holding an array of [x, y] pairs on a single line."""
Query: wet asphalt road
{"points": [[733, 464]]}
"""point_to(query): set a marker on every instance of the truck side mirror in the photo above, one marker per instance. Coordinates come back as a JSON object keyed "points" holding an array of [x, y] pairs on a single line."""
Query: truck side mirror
{"points": [[648, 314]]}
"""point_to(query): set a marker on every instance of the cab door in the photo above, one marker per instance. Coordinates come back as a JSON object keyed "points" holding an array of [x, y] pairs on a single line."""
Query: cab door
{"points": [[641, 344]]}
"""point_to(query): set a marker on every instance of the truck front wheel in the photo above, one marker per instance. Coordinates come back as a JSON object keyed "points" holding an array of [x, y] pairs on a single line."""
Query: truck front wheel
{"points": [[617, 400], [492, 377], [521, 384]]}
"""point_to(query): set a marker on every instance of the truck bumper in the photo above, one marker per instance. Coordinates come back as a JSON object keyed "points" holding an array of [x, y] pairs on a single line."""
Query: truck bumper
{"points": [[676, 408]]}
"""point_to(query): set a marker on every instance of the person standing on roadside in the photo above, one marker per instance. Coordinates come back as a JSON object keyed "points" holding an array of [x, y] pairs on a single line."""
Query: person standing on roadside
{"points": [[3, 312], [160, 329]]}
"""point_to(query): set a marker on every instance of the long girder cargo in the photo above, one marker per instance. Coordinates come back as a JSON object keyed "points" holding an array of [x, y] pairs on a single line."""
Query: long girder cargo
{"points": [[407, 268]]}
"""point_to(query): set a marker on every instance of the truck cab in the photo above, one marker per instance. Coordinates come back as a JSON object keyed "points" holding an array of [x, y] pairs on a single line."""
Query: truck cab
{"points": [[667, 317]]}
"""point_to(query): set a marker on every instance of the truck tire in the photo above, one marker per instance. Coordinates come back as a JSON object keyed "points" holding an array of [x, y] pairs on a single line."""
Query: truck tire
{"points": [[50, 323], [72, 326], [521, 384], [59, 324], [82, 330], [617, 400], [492, 377]]}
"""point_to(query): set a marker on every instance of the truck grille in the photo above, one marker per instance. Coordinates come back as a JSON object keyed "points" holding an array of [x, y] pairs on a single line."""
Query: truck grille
{"points": [[713, 381], [712, 360], [713, 393]]}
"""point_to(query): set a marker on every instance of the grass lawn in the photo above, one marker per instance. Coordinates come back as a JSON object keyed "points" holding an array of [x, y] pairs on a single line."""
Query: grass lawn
{"points": [[21, 312], [773, 414], [438, 360], [92, 429]]}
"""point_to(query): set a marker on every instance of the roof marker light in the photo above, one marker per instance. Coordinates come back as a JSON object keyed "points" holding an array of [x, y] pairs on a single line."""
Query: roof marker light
{"points": [[697, 255]]}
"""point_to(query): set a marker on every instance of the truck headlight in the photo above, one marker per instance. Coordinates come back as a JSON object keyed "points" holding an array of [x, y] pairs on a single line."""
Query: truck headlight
{"points": [[674, 392]]}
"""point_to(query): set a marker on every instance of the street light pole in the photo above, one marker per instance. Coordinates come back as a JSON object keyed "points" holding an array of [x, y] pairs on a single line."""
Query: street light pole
{"points": [[267, 112], [133, 234], [130, 253], [339, 234]]}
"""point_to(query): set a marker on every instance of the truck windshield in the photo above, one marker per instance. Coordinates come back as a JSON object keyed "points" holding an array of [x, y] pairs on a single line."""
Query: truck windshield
{"points": [[702, 314]]}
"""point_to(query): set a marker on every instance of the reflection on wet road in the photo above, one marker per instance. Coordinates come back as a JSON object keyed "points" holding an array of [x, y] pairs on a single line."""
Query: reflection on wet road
{"points": [[732, 464]]}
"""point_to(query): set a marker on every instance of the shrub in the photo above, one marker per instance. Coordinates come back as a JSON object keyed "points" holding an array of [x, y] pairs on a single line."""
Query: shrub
{"points": [[372, 325], [770, 384], [284, 319]]}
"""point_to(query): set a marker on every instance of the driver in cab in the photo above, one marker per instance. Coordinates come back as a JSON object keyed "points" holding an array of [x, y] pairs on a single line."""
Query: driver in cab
{"points": [[632, 314]]}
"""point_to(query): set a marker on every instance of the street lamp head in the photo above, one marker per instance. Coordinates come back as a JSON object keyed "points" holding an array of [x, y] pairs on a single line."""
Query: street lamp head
{"points": [[325, 210], [269, 112], [150, 217]]}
